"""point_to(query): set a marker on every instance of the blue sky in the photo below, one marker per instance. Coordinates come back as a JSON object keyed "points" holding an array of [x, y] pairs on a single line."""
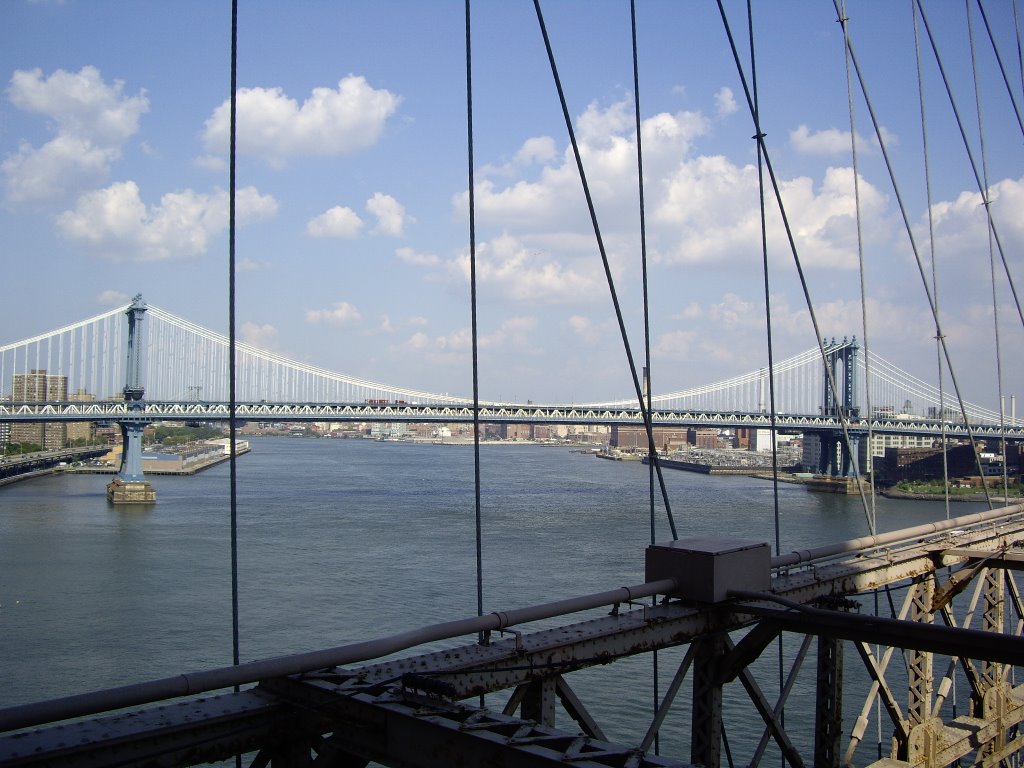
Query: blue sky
{"points": [[353, 238]]}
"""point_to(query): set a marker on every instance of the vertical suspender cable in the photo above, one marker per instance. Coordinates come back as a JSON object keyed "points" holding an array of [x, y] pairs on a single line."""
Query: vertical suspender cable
{"points": [[999, 61], [645, 412], [987, 202], [643, 259], [931, 246], [472, 309], [777, 191], [231, 335], [767, 287], [651, 451], [860, 260], [912, 240], [758, 138], [970, 156]]}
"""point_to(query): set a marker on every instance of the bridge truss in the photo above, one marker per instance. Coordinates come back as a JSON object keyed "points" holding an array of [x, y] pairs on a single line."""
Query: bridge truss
{"points": [[957, 618]]}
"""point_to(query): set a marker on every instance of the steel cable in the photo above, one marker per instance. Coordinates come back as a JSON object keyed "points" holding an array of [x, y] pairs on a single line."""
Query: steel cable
{"points": [[644, 411]]}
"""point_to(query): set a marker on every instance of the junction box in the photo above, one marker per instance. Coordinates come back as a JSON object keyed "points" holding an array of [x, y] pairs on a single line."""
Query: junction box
{"points": [[707, 568]]}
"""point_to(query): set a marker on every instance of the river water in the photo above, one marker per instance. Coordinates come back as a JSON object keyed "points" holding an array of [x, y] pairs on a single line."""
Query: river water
{"points": [[346, 540]]}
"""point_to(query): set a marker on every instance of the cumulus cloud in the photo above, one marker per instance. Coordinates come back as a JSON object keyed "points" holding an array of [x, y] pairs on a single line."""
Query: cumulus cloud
{"points": [[263, 336], [337, 222], [513, 332], [409, 256], [341, 313], [711, 215], [112, 298], [961, 225], [390, 214], [331, 121], [585, 329], [117, 223], [91, 120], [834, 142], [528, 274], [725, 102]]}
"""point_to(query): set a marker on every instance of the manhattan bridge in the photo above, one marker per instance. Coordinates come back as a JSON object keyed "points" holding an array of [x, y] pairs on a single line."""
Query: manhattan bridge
{"points": [[501, 691]]}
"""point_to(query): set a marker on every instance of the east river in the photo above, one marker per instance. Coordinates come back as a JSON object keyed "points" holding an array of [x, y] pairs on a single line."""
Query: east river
{"points": [[346, 540]]}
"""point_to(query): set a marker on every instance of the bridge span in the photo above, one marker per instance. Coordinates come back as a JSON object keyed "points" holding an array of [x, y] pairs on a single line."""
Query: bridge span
{"points": [[956, 616]]}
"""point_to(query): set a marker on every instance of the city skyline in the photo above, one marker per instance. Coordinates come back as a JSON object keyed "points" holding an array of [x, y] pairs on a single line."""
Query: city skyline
{"points": [[353, 234]]}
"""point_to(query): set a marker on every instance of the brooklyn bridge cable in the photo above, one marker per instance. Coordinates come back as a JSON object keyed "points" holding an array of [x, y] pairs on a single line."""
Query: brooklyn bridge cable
{"points": [[644, 411], [652, 454], [843, 420], [931, 247], [472, 309], [913, 242], [872, 519], [970, 155], [232, 405], [987, 202]]}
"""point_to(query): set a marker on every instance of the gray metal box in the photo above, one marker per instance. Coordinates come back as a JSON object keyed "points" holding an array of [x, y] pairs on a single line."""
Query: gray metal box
{"points": [[706, 568]]}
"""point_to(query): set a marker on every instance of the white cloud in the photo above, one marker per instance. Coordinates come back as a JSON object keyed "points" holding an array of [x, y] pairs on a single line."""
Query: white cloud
{"points": [[116, 222], [529, 274], [112, 298], [711, 215], [390, 214], [832, 141], [725, 102], [339, 222], [330, 122], [584, 329], [674, 344], [92, 122], [513, 332], [540, 149], [263, 337], [409, 256], [341, 313]]}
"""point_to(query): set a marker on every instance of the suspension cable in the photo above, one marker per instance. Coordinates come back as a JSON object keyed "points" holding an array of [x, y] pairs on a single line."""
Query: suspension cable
{"points": [[870, 453], [986, 201], [758, 137], [472, 309], [767, 292], [970, 156], [999, 60], [644, 410], [913, 243], [651, 451], [843, 420], [931, 247], [231, 334]]}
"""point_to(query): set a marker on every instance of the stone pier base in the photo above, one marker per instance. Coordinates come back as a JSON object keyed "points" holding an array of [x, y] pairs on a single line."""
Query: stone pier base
{"points": [[123, 492]]}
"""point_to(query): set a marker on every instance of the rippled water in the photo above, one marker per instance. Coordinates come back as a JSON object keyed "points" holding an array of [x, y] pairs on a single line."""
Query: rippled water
{"points": [[347, 540]]}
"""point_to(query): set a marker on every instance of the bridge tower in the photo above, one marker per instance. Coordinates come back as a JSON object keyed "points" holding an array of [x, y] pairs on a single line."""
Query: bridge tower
{"points": [[130, 486], [837, 458]]}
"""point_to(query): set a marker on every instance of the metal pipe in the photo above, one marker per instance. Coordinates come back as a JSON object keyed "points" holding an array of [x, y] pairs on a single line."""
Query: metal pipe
{"points": [[904, 534], [94, 702]]}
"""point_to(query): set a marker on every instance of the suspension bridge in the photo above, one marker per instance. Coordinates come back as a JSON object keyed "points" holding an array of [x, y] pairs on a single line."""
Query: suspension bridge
{"points": [[182, 369], [956, 612]]}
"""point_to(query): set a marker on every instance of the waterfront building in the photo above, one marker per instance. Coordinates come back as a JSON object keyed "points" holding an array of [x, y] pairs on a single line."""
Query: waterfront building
{"points": [[38, 386], [81, 432]]}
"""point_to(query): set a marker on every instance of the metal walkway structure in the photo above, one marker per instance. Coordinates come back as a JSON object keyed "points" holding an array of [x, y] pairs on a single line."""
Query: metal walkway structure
{"points": [[958, 619]]}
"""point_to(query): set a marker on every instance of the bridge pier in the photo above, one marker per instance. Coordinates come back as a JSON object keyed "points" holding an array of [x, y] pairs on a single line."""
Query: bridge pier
{"points": [[130, 486]]}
